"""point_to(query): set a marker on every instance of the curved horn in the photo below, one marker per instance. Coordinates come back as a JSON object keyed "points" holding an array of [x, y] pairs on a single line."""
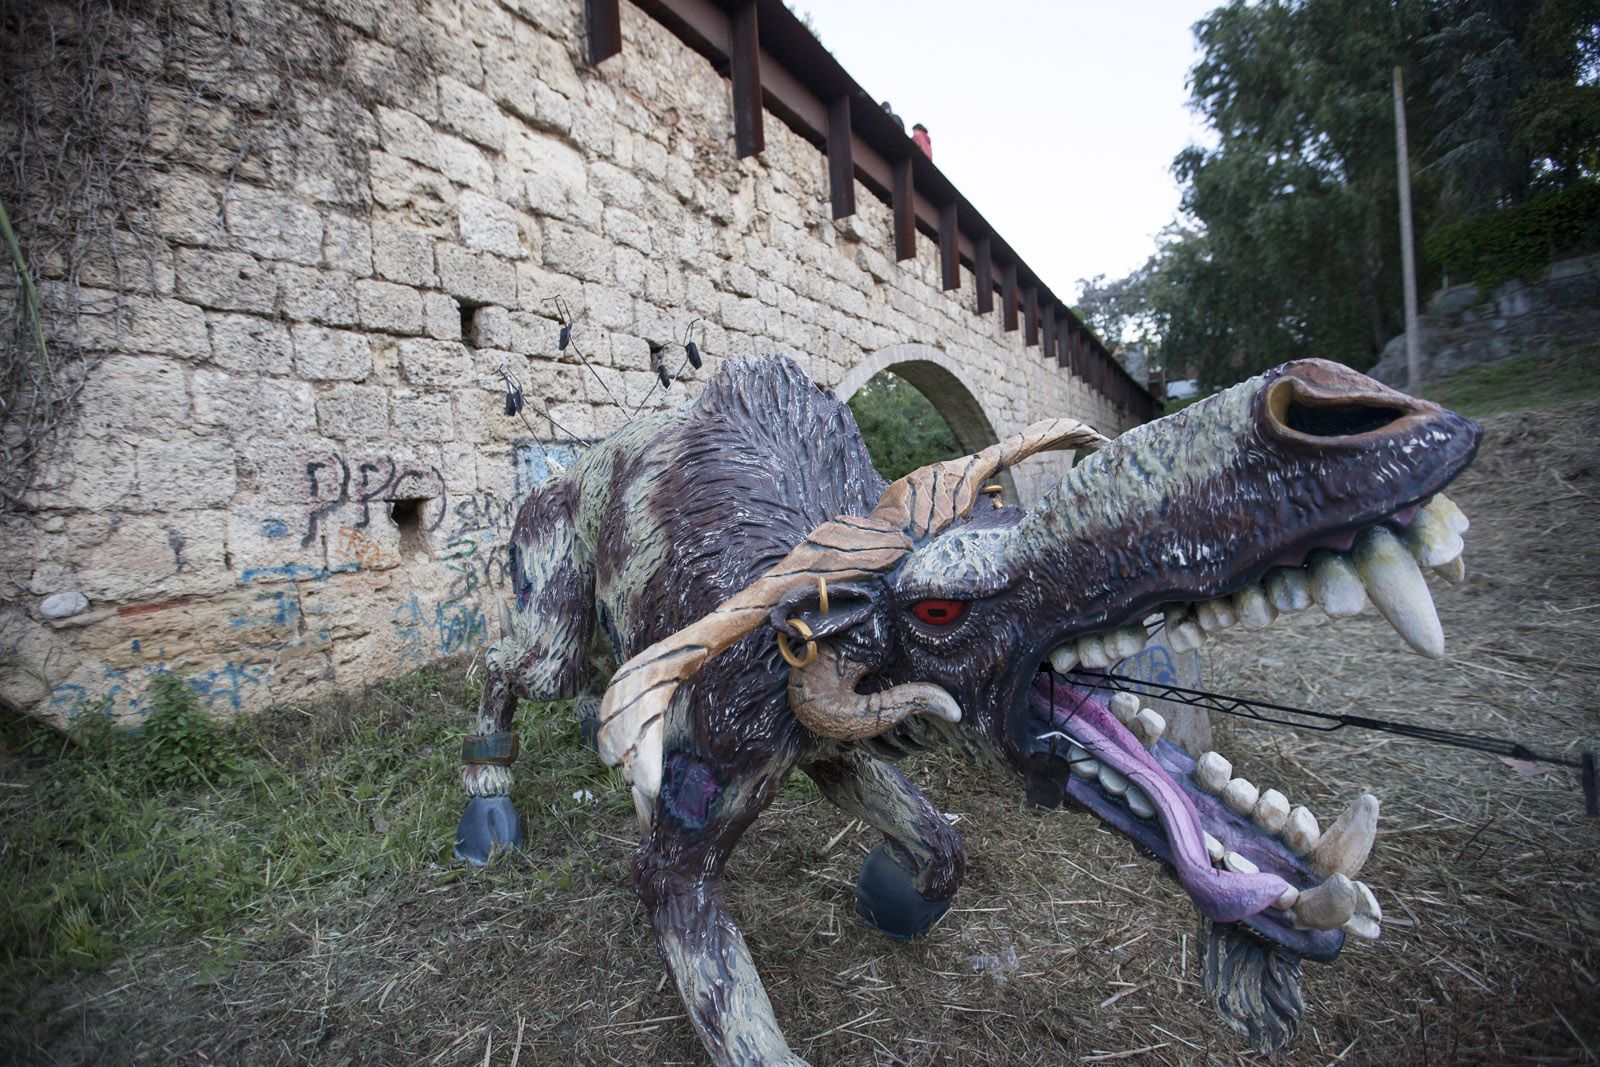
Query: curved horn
{"points": [[824, 698]]}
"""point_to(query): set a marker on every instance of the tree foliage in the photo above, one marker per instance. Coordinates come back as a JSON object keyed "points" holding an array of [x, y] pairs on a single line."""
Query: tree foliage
{"points": [[902, 429], [1289, 241]]}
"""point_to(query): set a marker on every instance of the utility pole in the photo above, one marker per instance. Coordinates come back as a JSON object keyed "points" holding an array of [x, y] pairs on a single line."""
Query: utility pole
{"points": [[1408, 244]]}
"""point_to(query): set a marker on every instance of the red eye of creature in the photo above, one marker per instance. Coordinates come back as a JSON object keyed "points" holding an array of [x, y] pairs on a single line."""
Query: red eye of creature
{"points": [[939, 612]]}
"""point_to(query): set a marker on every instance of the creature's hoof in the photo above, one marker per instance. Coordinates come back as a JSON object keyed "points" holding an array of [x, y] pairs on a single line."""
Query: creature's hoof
{"points": [[488, 823], [887, 898]]}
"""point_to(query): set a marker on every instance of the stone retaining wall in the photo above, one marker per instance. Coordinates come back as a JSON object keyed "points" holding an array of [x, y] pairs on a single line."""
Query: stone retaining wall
{"points": [[292, 471]]}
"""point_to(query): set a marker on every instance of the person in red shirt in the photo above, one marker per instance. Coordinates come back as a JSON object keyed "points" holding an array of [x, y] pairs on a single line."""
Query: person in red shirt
{"points": [[919, 137]]}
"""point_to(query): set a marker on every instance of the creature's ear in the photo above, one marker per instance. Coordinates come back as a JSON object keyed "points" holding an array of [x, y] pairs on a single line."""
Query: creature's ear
{"points": [[827, 608]]}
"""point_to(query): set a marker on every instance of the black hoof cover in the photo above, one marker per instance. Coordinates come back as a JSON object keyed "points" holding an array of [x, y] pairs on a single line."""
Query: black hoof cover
{"points": [[888, 900], [487, 824]]}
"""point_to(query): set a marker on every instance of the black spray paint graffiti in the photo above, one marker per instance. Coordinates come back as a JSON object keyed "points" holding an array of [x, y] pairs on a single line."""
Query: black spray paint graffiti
{"points": [[377, 478]]}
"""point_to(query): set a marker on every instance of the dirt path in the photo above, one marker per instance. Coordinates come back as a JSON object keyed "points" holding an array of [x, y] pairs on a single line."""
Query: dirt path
{"points": [[1066, 944]]}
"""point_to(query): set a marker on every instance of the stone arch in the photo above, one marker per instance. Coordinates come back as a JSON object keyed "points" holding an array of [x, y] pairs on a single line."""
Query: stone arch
{"points": [[947, 387]]}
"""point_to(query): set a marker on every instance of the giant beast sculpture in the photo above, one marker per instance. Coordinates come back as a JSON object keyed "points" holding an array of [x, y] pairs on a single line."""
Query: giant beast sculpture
{"points": [[773, 604]]}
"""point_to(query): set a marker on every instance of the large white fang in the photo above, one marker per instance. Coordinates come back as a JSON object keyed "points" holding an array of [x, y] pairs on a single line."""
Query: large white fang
{"points": [[1365, 922], [1289, 589], [1431, 540], [1454, 517], [1399, 590], [1335, 585], [1255, 610], [1327, 906], [1211, 772], [1347, 843]]}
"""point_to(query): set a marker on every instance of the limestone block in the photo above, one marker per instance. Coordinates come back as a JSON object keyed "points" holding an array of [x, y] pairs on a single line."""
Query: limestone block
{"points": [[608, 307], [744, 315], [308, 294], [435, 363], [347, 245], [184, 207], [274, 225], [408, 188], [628, 228], [574, 252], [331, 355], [408, 137], [537, 288], [154, 557], [183, 471], [459, 466], [389, 307], [489, 225], [592, 131], [245, 343], [471, 114], [354, 413], [441, 315], [97, 474], [402, 254], [464, 164], [477, 277], [265, 541], [521, 332], [112, 323], [423, 416], [121, 261], [248, 406], [132, 394]]}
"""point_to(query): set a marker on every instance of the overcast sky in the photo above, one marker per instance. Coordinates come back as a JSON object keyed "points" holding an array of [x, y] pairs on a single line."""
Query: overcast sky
{"points": [[1058, 120]]}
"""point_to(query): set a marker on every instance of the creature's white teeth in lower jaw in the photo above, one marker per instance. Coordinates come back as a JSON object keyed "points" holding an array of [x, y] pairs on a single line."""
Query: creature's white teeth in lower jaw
{"points": [[1365, 923], [1140, 803], [1211, 772], [1398, 590], [1124, 706], [1301, 833], [1271, 811], [1215, 849], [1240, 795], [1335, 585]]}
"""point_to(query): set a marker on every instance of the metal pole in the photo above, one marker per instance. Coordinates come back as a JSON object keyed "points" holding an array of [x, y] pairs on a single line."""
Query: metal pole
{"points": [[1408, 245]]}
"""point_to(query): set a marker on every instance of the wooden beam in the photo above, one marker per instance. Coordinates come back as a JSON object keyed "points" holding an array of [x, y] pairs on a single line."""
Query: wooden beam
{"points": [[1063, 344], [603, 21], [1008, 296], [1047, 346], [1030, 316], [983, 273], [745, 61], [841, 161], [949, 247], [905, 219]]}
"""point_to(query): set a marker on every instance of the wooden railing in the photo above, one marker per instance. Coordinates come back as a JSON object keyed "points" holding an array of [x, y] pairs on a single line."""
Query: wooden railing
{"points": [[777, 65]]}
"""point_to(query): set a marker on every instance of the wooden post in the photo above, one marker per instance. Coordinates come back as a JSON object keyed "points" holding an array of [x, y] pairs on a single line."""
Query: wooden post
{"points": [[1030, 316], [905, 219], [1008, 296], [746, 68], [983, 273], [841, 159], [603, 21], [949, 247], [1047, 346], [1408, 248]]}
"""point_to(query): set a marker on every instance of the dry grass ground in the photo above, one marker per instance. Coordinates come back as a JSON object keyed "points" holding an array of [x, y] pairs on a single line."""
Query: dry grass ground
{"points": [[1066, 945]]}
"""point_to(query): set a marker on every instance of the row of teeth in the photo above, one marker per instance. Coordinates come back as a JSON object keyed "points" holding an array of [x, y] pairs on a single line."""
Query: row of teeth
{"points": [[1383, 567], [1338, 902]]}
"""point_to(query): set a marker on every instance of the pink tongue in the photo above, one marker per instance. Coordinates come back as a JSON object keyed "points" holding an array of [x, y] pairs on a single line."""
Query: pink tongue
{"points": [[1222, 896]]}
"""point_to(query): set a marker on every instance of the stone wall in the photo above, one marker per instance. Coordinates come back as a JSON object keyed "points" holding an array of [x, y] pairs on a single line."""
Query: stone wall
{"points": [[1553, 314], [292, 471]]}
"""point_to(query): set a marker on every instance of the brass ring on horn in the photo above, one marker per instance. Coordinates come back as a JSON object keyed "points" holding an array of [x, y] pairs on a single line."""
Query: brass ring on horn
{"points": [[788, 654], [995, 493], [822, 594]]}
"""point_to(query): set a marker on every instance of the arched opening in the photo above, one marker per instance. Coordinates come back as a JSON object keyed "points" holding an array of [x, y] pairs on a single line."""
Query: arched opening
{"points": [[917, 410]]}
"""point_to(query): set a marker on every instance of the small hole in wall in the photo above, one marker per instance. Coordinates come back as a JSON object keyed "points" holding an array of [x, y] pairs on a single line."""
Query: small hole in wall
{"points": [[407, 515], [467, 312]]}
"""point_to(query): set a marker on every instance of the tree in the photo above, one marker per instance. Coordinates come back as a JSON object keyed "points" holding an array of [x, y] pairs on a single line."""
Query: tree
{"points": [[902, 428]]}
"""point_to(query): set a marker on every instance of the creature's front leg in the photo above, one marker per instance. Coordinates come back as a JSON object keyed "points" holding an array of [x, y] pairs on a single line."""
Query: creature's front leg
{"points": [[489, 821], [678, 875], [907, 881]]}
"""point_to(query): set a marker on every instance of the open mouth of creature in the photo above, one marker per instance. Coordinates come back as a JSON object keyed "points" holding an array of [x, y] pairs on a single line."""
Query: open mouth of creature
{"points": [[1244, 854]]}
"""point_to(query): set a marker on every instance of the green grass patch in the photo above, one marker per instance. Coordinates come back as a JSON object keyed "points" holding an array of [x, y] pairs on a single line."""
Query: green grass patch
{"points": [[115, 839], [1521, 383]]}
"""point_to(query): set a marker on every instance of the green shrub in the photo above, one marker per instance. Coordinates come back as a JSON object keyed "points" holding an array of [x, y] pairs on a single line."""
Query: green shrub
{"points": [[179, 744], [1519, 242]]}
